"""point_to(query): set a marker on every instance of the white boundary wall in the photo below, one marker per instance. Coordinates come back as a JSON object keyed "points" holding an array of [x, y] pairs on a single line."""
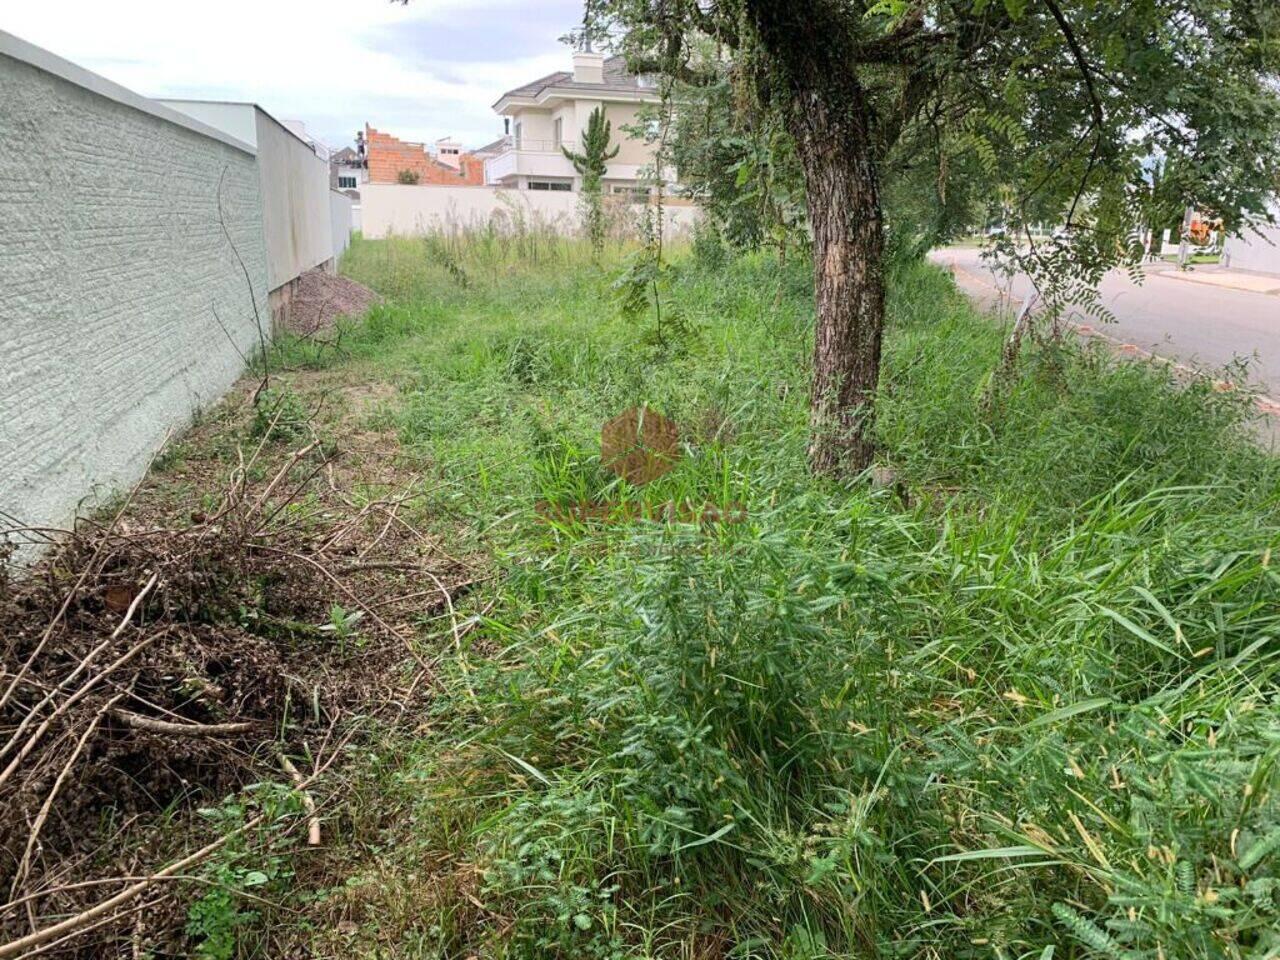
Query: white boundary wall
{"points": [[388, 208], [1254, 252], [294, 182], [340, 207], [114, 263]]}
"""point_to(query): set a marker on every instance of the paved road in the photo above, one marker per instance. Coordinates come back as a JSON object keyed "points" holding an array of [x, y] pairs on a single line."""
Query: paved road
{"points": [[1193, 323]]}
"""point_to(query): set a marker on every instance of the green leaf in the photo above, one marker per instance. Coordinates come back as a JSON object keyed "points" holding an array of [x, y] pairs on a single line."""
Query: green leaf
{"points": [[707, 839], [991, 853], [527, 767], [254, 878], [1062, 713], [1138, 632], [1016, 8]]}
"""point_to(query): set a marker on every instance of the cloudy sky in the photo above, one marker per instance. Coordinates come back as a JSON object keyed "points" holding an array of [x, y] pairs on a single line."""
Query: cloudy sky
{"points": [[421, 72]]}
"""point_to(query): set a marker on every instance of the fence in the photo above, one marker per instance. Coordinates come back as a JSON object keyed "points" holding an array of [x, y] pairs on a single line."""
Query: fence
{"points": [[124, 301], [341, 221], [395, 209], [1257, 250]]}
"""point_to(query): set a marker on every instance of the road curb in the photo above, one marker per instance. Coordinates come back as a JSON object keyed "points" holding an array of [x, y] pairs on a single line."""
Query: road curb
{"points": [[1266, 405]]}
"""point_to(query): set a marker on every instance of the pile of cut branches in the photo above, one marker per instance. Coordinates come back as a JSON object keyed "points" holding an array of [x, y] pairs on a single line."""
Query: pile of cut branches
{"points": [[149, 667]]}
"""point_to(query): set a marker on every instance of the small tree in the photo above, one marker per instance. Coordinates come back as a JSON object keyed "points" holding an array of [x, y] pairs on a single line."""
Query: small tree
{"points": [[591, 164], [408, 177]]}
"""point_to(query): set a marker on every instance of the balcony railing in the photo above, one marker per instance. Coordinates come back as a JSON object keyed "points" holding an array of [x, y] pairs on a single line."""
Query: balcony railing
{"points": [[526, 145]]}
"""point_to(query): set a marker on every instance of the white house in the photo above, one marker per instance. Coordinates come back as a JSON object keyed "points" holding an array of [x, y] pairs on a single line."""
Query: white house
{"points": [[551, 113]]}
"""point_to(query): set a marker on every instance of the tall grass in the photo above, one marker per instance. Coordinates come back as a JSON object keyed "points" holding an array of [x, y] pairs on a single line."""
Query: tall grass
{"points": [[1024, 704]]}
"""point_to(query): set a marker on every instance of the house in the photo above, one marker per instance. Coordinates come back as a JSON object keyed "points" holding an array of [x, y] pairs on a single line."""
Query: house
{"points": [[391, 160], [347, 171], [551, 113]]}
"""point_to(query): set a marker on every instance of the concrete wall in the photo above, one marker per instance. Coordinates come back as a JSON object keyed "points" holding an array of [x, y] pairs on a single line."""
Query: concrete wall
{"points": [[340, 220], [112, 265], [234, 117], [294, 183], [1254, 252], [394, 209], [295, 203]]}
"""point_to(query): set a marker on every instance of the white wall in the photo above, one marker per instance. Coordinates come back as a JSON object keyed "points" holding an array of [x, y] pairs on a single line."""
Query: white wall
{"points": [[112, 265], [235, 118], [1254, 252], [295, 203], [389, 208], [294, 182], [340, 220]]}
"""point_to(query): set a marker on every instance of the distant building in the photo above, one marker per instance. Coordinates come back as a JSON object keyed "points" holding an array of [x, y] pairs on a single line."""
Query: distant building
{"points": [[347, 172], [550, 114], [391, 160]]}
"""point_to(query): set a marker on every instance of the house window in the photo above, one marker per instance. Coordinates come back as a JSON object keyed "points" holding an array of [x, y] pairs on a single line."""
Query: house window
{"points": [[559, 132], [348, 183], [549, 185], [518, 129]]}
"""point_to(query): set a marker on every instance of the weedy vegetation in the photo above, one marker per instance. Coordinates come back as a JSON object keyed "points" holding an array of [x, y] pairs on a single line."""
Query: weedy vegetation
{"points": [[1019, 702]]}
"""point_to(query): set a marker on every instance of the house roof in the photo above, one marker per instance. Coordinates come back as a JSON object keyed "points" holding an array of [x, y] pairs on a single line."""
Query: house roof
{"points": [[617, 79], [495, 147], [345, 155]]}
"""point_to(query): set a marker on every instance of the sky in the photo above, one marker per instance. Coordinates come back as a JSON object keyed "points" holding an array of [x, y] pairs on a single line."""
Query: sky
{"points": [[424, 71]]}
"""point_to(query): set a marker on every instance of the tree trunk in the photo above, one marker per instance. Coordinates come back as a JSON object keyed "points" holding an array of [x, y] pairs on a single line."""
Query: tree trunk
{"points": [[848, 261], [810, 61]]}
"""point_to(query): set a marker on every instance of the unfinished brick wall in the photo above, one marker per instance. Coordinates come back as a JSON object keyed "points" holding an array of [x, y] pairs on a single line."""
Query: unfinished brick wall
{"points": [[388, 155]]}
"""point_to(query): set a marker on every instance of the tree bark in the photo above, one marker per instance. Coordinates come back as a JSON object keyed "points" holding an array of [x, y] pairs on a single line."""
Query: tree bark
{"points": [[810, 59]]}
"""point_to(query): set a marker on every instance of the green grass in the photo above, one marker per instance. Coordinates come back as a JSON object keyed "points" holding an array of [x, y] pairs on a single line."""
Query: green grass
{"points": [[1024, 705], [1195, 258]]}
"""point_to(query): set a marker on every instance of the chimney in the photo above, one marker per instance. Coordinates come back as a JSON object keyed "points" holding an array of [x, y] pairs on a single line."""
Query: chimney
{"points": [[588, 67]]}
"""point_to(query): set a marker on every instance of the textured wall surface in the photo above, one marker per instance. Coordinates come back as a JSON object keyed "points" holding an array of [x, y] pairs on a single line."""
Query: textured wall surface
{"points": [[295, 203], [294, 183], [391, 208], [112, 266]]}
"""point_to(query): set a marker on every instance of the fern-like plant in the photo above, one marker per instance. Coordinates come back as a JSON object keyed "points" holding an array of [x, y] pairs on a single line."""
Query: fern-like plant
{"points": [[591, 164]]}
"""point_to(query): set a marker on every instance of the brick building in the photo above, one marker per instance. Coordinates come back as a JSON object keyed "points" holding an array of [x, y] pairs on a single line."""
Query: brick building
{"points": [[388, 156]]}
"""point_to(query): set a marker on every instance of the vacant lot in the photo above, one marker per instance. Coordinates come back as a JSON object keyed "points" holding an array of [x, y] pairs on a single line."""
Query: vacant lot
{"points": [[1021, 698], [1018, 700]]}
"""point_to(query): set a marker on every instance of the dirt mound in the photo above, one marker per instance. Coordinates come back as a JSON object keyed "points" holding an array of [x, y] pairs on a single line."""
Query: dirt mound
{"points": [[321, 298]]}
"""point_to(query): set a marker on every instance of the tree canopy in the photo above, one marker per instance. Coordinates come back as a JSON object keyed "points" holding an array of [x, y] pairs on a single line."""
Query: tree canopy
{"points": [[1062, 108], [901, 113]]}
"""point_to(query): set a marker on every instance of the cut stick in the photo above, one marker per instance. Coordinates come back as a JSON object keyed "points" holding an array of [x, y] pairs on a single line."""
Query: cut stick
{"points": [[308, 802], [33, 838], [152, 725]]}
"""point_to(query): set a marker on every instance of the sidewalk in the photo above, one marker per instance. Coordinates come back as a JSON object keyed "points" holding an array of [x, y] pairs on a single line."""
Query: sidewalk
{"points": [[1222, 277]]}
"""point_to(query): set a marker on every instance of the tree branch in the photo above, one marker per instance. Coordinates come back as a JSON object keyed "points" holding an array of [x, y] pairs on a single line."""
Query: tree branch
{"points": [[1078, 53]]}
